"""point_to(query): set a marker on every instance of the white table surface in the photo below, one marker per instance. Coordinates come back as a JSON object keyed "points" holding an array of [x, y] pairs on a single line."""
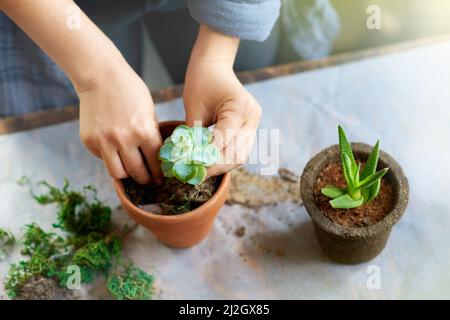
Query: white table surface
{"points": [[401, 98]]}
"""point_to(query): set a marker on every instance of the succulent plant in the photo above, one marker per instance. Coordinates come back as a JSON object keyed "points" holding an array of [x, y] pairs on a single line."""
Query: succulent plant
{"points": [[186, 154], [362, 187]]}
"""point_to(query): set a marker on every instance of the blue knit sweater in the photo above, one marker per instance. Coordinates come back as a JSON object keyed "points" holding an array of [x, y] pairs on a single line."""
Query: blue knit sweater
{"points": [[245, 19]]}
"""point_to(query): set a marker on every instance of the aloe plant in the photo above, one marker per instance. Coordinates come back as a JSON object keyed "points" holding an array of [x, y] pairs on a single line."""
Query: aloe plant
{"points": [[362, 187], [186, 154]]}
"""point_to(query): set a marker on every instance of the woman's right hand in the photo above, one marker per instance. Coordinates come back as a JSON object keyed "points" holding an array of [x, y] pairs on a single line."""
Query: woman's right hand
{"points": [[117, 121], [118, 125]]}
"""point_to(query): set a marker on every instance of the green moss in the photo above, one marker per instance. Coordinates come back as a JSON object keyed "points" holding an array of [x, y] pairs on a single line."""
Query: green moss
{"points": [[7, 240], [130, 283], [24, 270], [87, 242], [76, 213], [97, 255], [37, 241]]}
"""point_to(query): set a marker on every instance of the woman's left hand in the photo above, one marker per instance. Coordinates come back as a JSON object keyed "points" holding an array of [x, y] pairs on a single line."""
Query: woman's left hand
{"points": [[213, 95]]}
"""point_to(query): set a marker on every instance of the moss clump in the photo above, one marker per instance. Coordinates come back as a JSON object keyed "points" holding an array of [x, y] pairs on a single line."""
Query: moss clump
{"points": [[130, 283], [7, 240], [88, 242], [80, 213], [20, 273], [37, 241]]}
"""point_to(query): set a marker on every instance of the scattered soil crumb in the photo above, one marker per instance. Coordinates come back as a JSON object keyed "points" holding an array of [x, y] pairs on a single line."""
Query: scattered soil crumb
{"points": [[240, 232], [288, 175], [280, 253], [41, 288], [363, 216], [253, 190]]}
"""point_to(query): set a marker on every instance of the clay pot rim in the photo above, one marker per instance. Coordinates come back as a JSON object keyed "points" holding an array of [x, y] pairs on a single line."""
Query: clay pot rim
{"points": [[171, 218], [315, 165]]}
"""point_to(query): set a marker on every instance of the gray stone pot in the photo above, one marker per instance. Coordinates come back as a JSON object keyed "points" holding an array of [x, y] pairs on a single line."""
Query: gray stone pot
{"points": [[353, 245]]}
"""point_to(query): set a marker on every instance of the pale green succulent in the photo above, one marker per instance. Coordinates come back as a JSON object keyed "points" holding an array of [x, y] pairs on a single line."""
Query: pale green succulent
{"points": [[362, 187], [186, 154]]}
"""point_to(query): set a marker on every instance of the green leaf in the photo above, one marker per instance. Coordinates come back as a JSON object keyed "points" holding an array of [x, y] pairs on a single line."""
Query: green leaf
{"points": [[202, 136], [205, 155], [181, 154], [165, 153], [182, 136], [168, 140], [184, 172], [200, 175], [166, 168], [197, 155], [365, 193], [346, 202], [332, 191], [370, 180], [210, 155], [356, 177], [374, 190], [372, 162], [344, 148], [348, 172]]}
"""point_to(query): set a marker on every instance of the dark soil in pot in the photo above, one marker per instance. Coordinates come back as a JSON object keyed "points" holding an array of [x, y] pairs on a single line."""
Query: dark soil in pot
{"points": [[366, 215], [171, 198], [355, 235]]}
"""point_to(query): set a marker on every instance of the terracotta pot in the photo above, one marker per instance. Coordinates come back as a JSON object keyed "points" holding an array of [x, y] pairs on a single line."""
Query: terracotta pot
{"points": [[353, 245], [183, 230]]}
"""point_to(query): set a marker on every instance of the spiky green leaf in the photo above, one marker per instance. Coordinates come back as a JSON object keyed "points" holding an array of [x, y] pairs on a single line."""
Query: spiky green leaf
{"points": [[374, 190], [365, 193], [348, 172], [346, 202], [332, 191], [372, 162], [370, 180], [356, 177], [344, 148]]}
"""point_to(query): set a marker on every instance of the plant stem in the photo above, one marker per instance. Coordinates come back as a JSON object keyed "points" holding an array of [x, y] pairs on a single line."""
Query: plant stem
{"points": [[355, 194]]}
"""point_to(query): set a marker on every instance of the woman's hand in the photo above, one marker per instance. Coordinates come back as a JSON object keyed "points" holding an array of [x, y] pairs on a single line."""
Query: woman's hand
{"points": [[214, 95], [118, 125]]}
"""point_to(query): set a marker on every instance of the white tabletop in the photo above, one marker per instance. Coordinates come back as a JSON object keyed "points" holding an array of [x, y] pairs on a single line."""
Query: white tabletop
{"points": [[401, 98]]}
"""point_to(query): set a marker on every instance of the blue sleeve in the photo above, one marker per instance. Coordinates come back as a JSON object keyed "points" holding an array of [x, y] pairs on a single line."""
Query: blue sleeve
{"points": [[245, 19]]}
